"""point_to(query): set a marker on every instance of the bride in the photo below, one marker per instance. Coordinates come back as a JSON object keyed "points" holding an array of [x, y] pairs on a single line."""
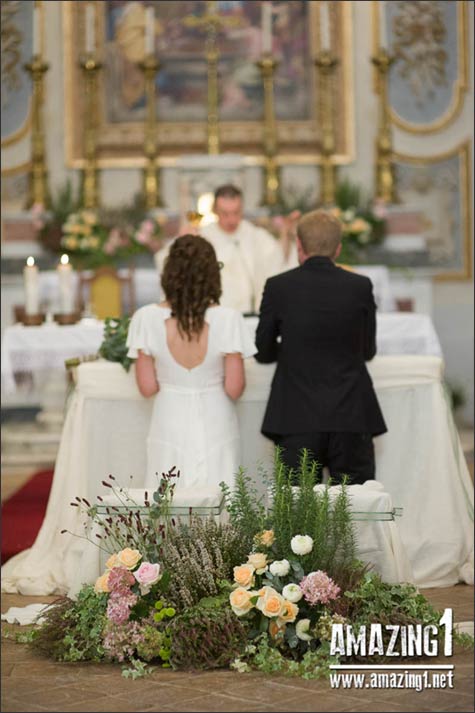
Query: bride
{"points": [[189, 353]]}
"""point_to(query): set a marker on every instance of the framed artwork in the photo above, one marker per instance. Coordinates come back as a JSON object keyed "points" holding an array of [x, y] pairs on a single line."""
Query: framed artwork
{"points": [[428, 80], [181, 82], [429, 230]]}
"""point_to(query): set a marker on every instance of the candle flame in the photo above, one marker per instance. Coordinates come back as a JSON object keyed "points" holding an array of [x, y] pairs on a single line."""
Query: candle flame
{"points": [[64, 259], [30, 261]]}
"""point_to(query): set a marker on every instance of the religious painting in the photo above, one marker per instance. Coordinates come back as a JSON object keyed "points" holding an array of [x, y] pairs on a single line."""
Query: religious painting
{"points": [[16, 50], [180, 40], [429, 229], [15, 188], [429, 43]]}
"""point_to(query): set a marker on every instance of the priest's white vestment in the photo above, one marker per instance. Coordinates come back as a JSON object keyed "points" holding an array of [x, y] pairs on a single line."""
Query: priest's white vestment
{"points": [[249, 255]]}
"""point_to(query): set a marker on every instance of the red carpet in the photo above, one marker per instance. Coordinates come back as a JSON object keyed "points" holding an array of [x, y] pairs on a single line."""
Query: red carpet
{"points": [[23, 513]]}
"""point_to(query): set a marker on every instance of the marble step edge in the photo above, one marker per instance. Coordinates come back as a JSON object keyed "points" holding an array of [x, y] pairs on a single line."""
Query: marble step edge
{"points": [[30, 439], [23, 460]]}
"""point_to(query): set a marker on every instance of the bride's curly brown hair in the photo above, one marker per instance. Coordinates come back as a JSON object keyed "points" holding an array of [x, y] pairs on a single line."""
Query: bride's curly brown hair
{"points": [[191, 281]]}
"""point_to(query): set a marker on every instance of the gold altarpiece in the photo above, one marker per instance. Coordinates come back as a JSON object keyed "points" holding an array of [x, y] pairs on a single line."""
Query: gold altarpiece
{"points": [[181, 106]]}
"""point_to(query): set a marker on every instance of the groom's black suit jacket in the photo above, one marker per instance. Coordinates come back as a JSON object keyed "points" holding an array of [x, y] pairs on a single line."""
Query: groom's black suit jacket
{"points": [[318, 322]]}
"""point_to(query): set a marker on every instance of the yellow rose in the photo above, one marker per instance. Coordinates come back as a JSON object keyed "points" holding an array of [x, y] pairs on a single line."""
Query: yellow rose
{"points": [[94, 242], [259, 561], [89, 217], [128, 558], [71, 243], [244, 575], [240, 601], [289, 613], [102, 583], [270, 602], [112, 562], [359, 225], [266, 538]]}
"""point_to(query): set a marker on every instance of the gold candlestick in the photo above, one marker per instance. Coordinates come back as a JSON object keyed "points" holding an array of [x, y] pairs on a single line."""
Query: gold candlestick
{"points": [[149, 67], [90, 188], [268, 65], [212, 22], [385, 179], [38, 190], [326, 63]]}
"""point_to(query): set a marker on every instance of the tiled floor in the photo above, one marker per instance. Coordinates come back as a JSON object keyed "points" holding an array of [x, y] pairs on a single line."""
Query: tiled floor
{"points": [[32, 683]]}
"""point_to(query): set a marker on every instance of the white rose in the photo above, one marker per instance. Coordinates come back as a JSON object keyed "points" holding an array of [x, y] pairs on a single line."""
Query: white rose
{"points": [[302, 628], [280, 568], [292, 593], [301, 544]]}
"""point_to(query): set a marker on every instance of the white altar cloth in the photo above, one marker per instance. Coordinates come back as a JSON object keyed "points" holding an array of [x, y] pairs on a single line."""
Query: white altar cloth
{"points": [[38, 349], [420, 463]]}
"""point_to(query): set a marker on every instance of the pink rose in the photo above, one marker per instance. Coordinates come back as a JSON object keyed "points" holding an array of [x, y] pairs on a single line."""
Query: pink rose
{"points": [[147, 575], [142, 237], [147, 226]]}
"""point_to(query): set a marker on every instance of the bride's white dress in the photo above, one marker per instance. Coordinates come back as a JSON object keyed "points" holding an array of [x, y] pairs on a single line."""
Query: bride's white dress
{"points": [[194, 423]]}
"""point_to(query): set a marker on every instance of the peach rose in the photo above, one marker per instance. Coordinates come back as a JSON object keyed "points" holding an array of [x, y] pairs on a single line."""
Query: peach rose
{"points": [[112, 562], [265, 538], [259, 561], [289, 613], [128, 558], [102, 583], [240, 601], [244, 575], [270, 602]]}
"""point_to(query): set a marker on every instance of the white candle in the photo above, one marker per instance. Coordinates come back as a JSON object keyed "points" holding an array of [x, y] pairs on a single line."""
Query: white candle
{"points": [[149, 30], [66, 288], [31, 283], [90, 29], [324, 26], [266, 27], [36, 29], [383, 35]]}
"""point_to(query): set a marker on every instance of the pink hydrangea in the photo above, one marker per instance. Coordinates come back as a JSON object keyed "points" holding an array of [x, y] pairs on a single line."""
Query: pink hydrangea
{"points": [[119, 606], [120, 580], [319, 588]]}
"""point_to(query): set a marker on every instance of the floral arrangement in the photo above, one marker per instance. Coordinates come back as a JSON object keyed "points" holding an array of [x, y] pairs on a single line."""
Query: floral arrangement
{"points": [[114, 344], [90, 244], [96, 238], [262, 591]]}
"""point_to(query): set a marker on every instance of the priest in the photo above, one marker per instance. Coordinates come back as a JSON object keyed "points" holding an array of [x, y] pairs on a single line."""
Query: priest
{"points": [[249, 254]]}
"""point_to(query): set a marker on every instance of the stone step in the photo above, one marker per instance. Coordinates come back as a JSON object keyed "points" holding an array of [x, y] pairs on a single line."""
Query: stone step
{"points": [[22, 460]]}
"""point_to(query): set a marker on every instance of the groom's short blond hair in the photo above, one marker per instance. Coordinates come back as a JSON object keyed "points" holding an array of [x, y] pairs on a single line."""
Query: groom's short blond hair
{"points": [[320, 233]]}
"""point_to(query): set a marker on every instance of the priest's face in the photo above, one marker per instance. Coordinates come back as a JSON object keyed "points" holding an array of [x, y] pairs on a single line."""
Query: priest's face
{"points": [[229, 212]]}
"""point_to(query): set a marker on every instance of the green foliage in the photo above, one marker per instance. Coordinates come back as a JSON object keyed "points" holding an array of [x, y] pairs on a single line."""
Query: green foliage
{"points": [[200, 556], [298, 510], [245, 506], [64, 202], [204, 638], [72, 630], [375, 600], [137, 669], [262, 656], [114, 345], [457, 395]]}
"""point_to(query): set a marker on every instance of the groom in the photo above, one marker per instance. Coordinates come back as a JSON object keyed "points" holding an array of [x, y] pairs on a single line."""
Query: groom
{"points": [[318, 322]]}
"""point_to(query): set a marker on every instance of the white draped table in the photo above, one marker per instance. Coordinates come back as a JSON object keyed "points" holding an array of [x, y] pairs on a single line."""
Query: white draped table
{"points": [[420, 463], [39, 349]]}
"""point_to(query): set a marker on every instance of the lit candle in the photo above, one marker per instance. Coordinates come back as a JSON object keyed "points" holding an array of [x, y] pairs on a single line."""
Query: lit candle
{"points": [[31, 283], [383, 35], [66, 290], [149, 30], [324, 26], [36, 29], [266, 22], [90, 29]]}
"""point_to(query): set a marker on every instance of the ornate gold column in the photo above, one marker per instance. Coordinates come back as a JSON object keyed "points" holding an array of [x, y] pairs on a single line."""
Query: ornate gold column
{"points": [[90, 188], [385, 179], [326, 62], [38, 190], [268, 65], [149, 67]]}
